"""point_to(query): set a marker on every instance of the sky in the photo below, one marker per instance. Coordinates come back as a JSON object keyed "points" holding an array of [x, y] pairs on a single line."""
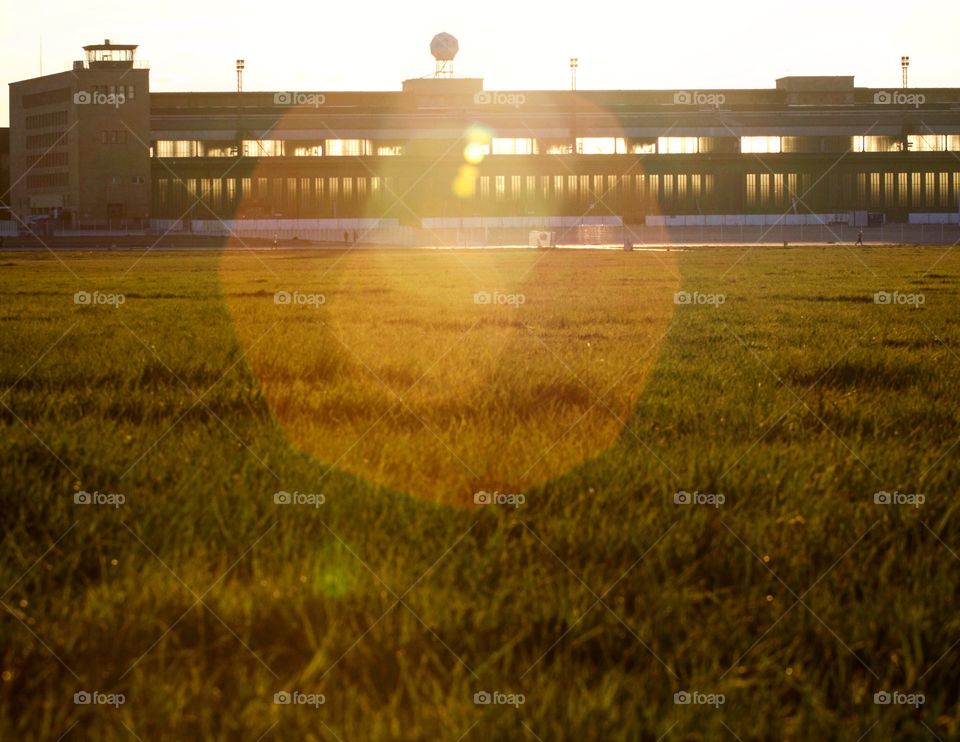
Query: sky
{"points": [[513, 45]]}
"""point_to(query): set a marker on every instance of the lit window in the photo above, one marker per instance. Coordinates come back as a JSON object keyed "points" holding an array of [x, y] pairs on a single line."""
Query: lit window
{"points": [[678, 145], [389, 150], [178, 148], [348, 147], [601, 146], [308, 150], [263, 148], [514, 146], [751, 189], [874, 144], [760, 145], [927, 142], [220, 149]]}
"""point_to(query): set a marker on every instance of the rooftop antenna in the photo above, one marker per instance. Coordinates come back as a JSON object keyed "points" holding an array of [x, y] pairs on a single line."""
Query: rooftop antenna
{"points": [[905, 66], [574, 63], [444, 48], [240, 65]]}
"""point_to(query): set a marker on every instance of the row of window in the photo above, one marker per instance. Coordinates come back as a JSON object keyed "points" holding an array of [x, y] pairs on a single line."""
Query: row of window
{"points": [[275, 148], [50, 138], [48, 159], [116, 136], [47, 97], [129, 92], [476, 151], [219, 192], [938, 190], [652, 186], [41, 120], [867, 190], [117, 180], [48, 180], [866, 143]]}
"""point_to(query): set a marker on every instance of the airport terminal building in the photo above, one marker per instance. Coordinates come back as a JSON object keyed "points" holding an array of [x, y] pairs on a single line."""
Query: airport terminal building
{"points": [[94, 147]]}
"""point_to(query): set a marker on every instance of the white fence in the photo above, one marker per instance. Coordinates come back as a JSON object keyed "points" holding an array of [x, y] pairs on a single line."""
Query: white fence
{"points": [[935, 218], [520, 222], [321, 230], [749, 220]]}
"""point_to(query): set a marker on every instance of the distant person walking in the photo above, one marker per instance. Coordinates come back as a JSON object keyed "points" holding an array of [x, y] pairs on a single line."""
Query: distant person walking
{"points": [[860, 238]]}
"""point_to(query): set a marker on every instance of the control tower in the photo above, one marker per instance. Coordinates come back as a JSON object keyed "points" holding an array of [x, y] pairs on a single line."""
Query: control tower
{"points": [[109, 56]]}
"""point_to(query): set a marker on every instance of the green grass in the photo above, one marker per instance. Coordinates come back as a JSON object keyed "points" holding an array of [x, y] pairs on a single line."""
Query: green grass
{"points": [[798, 398]]}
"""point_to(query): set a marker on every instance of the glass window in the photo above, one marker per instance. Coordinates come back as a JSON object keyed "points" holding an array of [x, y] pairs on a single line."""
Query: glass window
{"points": [[601, 145], [751, 189], [514, 146], [348, 147], [760, 145], [927, 142], [308, 150], [678, 145], [263, 147]]}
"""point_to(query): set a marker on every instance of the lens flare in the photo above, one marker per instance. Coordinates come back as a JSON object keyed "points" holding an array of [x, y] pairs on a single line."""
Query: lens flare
{"points": [[465, 184], [478, 144], [474, 152]]}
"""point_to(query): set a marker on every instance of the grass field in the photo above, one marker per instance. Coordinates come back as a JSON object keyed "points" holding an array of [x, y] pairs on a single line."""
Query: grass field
{"points": [[383, 396]]}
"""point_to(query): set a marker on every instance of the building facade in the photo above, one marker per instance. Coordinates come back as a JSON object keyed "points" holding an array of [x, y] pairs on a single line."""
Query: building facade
{"points": [[447, 147], [80, 142]]}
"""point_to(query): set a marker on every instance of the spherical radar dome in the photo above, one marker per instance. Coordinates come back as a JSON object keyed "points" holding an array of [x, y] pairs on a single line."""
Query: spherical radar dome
{"points": [[444, 47]]}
